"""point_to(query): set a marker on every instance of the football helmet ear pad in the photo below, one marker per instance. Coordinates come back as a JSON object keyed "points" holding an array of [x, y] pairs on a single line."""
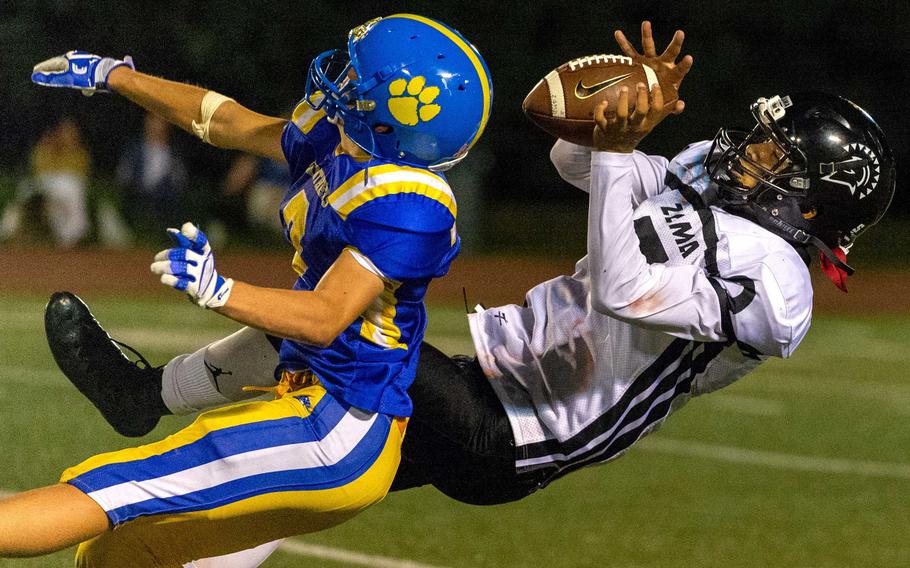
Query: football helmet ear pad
{"points": [[833, 179], [409, 89]]}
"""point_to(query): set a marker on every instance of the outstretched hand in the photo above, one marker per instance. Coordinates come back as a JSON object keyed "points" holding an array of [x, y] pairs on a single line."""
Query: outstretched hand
{"points": [[78, 70], [668, 70]]}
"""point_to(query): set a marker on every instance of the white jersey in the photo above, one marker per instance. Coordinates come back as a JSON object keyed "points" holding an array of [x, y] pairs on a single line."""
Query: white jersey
{"points": [[674, 299]]}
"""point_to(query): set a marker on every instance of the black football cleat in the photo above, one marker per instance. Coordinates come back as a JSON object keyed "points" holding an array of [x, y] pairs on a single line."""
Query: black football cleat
{"points": [[127, 393]]}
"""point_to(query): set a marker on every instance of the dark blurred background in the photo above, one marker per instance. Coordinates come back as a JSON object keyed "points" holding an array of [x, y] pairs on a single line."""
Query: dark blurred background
{"points": [[258, 53]]}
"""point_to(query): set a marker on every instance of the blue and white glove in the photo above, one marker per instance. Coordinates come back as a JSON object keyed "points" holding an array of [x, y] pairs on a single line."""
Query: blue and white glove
{"points": [[78, 70], [190, 267]]}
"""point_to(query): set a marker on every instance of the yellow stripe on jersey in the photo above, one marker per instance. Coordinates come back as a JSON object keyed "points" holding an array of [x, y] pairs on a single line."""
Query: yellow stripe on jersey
{"points": [[305, 117], [379, 320], [360, 177], [294, 215], [472, 56], [390, 179], [227, 417], [376, 191]]}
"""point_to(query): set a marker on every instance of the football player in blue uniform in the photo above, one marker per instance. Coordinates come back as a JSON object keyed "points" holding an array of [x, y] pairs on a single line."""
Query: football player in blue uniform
{"points": [[372, 221]]}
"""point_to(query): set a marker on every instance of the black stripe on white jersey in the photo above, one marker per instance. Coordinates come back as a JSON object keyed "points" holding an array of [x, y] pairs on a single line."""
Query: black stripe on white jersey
{"points": [[701, 203], [709, 233], [726, 318], [648, 242], [607, 421], [656, 413], [647, 413], [629, 411]]}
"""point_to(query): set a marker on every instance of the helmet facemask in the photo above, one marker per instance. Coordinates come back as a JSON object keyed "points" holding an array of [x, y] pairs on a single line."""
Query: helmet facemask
{"points": [[329, 74], [333, 75], [730, 160]]}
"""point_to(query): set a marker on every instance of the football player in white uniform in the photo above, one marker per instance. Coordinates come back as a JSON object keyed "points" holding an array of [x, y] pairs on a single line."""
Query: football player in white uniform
{"points": [[696, 272]]}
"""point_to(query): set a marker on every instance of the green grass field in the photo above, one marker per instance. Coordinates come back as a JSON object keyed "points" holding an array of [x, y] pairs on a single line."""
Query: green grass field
{"points": [[804, 463]]}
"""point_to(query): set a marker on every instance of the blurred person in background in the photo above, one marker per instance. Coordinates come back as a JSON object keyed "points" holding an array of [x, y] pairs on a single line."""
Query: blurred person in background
{"points": [[60, 166], [253, 190], [152, 178]]}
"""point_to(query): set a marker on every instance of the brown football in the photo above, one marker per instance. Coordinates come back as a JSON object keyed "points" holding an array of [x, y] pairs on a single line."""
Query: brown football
{"points": [[563, 102]]}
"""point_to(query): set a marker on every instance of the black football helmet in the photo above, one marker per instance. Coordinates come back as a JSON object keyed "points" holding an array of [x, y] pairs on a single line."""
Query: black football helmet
{"points": [[832, 177]]}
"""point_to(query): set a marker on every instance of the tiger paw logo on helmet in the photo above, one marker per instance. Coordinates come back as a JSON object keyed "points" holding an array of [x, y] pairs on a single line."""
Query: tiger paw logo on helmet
{"points": [[389, 87], [418, 105]]}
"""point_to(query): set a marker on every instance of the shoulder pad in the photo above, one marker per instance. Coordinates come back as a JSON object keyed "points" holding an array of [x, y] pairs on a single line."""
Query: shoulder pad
{"points": [[397, 196], [772, 306]]}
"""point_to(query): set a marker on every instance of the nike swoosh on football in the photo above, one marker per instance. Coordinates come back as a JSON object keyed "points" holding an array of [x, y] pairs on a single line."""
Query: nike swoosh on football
{"points": [[584, 92]]}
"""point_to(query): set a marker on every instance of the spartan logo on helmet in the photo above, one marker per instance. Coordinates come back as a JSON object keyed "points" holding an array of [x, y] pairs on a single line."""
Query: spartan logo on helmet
{"points": [[859, 172]]}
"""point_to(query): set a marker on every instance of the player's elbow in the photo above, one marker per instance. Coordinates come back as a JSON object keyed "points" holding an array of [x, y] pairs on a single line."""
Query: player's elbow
{"points": [[610, 295], [628, 304], [608, 305], [323, 340], [314, 335], [631, 294], [561, 157], [320, 328], [322, 334], [556, 157]]}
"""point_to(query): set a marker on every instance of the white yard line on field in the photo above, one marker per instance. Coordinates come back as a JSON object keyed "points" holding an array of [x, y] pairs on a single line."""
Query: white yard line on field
{"points": [[348, 556], [776, 460]]}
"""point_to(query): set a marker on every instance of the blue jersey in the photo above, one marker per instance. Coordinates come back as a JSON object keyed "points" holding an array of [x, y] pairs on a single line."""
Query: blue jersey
{"points": [[400, 222]]}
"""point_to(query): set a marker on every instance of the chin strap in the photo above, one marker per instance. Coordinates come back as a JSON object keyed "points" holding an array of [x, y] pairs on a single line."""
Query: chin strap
{"points": [[833, 262]]}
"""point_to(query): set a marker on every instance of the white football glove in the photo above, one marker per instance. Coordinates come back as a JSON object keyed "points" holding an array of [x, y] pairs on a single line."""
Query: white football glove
{"points": [[190, 267], [78, 70]]}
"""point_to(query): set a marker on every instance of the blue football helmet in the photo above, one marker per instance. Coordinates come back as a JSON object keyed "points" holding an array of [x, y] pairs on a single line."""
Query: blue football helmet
{"points": [[410, 90]]}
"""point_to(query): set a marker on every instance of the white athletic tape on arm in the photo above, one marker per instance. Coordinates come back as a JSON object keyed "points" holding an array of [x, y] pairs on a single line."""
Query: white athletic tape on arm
{"points": [[210, 103], [557, 97]]}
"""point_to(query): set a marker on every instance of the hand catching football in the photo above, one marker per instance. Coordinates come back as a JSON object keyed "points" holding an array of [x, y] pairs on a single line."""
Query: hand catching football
{"points": [[564, 102], [621, 132]]}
